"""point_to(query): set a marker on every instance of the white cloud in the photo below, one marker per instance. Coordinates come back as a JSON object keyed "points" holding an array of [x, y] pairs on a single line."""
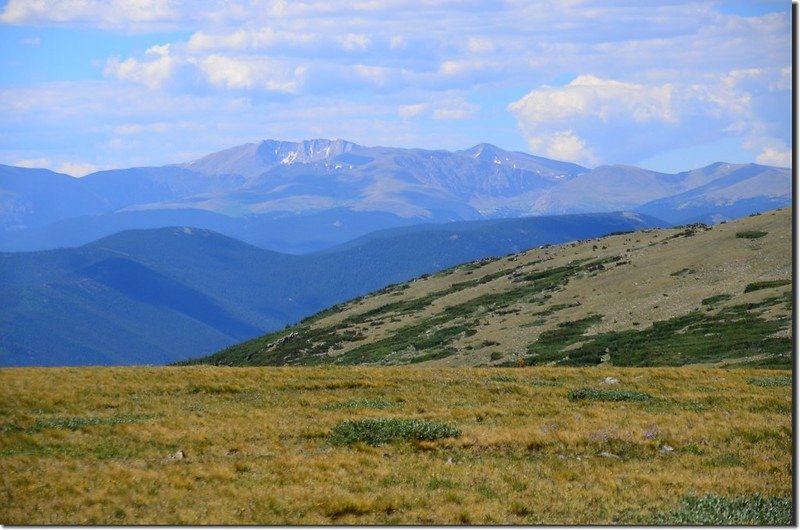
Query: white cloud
{"points": [[480, 45], [152, 73], [397, 42], [409, 111], [354, 42], [244, 39], [232, 72], [377, 74], [457, 109], [77, 169], [563, 145], [31, 41], [100, 13], [591, 96], [251, 72], [33, 163], [665, 75], [160, 127], [774, 157]]}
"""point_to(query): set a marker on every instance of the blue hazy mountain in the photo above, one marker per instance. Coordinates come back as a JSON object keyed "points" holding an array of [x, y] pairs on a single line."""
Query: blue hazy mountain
{"points": [[305, 196], [160, 295]]}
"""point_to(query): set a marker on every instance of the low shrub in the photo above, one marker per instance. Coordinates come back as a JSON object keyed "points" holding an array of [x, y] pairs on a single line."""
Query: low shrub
{"points": [[711, 300], [717, 510], [375, 403], [751, 234], [594, 394], [543, 382], [771, 381], [757, 286], [383, 430]]}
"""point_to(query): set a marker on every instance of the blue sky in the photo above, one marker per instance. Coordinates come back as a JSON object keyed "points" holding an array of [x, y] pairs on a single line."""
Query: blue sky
{"points": [[667, 85]]}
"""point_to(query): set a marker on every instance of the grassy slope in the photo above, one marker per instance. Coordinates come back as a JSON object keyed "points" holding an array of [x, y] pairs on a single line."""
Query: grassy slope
{"points": [[658, 297], [258, 445]]}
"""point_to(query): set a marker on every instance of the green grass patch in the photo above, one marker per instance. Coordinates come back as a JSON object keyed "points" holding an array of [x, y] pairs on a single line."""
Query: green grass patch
{"points": [[375, 403], [543, 382], [383, 430], [551, 343], [711, 300], [717, 510], [751, 234], [757, 286], [595, 394], [771, 381], [697, 337], [73, 424]]}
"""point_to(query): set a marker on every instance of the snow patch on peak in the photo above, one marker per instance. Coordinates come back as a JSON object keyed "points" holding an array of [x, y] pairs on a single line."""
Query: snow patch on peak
{"points": [[633, 216], [289, 158]]}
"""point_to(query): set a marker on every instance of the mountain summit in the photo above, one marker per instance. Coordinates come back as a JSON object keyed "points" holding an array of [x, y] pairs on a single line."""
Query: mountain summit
{"points": [[252, 160], [308, 195]]}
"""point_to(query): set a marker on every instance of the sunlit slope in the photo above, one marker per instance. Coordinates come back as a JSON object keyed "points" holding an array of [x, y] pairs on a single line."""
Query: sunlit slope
{"points": [[690, 295]]}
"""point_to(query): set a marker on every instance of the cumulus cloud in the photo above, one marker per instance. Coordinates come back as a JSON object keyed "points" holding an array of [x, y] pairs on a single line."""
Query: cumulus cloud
{"points": [[244, 39], [160, 127], [480, 45], [775, 157], [354, 42], [33, 163], [563, 145], [151, 73], [590, 96], [251, 72], [604, 119], [397, 42], [101, 13], [77, 169], [457, 109], [409, 111]]}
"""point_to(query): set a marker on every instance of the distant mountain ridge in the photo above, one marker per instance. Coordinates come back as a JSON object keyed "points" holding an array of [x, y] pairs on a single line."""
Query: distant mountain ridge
{"points": [[160, 295], [308, 195]]}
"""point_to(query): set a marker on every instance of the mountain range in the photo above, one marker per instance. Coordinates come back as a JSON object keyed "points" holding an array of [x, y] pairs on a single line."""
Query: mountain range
{"points": [[310, 195], [160, 295], [692, 295]]}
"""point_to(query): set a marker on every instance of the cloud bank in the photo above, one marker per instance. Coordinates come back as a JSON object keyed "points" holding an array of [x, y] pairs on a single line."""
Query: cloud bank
{"points": [[589, 82]]}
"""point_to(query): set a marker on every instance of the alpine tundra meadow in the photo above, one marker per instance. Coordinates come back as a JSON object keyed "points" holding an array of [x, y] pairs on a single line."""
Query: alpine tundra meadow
{"points": [[440, 262]]}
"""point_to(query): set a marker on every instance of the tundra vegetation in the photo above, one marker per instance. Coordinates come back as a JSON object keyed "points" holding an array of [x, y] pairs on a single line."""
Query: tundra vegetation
{"points": [[692, 295], [394, 445], [642, 378]]}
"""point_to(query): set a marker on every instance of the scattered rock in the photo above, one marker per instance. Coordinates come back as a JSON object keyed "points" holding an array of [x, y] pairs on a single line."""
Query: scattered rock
{"points": [[449, 461], [606, 454], [666, 449], [610, 381], [651, 433], [180, 455]]}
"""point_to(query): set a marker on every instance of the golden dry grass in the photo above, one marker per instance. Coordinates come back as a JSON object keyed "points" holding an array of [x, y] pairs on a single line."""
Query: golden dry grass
{"points": [[93, 445]]}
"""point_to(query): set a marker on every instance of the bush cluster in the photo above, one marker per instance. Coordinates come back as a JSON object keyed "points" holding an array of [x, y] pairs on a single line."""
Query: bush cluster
{"points": [[383, 430], [771, 381], [716, 510], [594, 394]]}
